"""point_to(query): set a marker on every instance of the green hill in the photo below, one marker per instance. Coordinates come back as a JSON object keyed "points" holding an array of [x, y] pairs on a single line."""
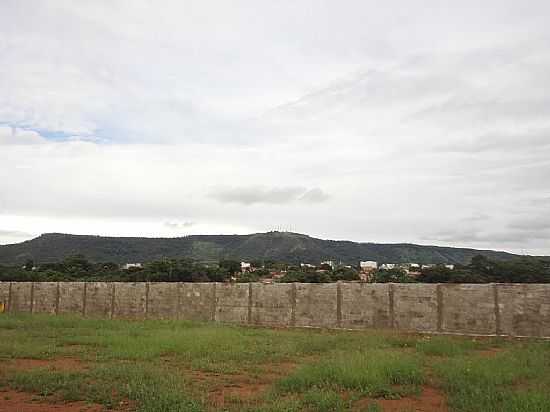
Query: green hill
{"points": [[279, 246]]}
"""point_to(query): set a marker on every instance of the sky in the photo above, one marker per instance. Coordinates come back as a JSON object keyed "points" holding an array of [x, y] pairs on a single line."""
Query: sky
{"points": [[396, 121]]}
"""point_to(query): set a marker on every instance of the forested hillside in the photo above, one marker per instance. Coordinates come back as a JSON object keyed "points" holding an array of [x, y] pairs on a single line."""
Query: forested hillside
{"points": [[279, 246]]}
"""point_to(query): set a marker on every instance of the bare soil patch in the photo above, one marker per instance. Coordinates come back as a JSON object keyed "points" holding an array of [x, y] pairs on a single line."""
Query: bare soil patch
{"points": [[430, 400], [58, 364], [224, 389], [13, 401], [489, 353]]}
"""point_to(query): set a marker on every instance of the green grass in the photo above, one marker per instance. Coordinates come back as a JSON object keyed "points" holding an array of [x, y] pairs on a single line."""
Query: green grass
{"points": [[515, 380], [373, 373], [186, 366], [450, 346], [153, 389]]}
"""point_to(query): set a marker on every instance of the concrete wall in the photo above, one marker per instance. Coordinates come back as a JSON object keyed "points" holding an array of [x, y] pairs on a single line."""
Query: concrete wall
{"points": [[273, 304], [71, 297], [365, 305], [232, 302], [5, 294], [98, 299], [44, 297], [316, 305], [468, 309], [197, 301], [501, 309], [130, 300], [415, 307], [163, 301], [20, 299], [524, 310]]}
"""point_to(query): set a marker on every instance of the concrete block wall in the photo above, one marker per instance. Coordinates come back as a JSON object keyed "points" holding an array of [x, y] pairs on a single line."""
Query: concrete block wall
{"points": [[524, 309], [130, 300], [468, 309], [197, 301], [488, 309], [365, 305], [5, 294], [232, 302], [163, 301], [316, 305], [98, 299], [71, 297], [415, 307], [20, 299], [273, 304], [44, 297]]}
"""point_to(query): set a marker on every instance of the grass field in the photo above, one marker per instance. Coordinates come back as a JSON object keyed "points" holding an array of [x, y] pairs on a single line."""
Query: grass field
{"points": [[153, 366]]}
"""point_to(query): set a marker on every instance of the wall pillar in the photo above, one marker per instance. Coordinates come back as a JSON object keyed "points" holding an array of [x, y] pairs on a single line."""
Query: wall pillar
{"points": [[392, 305], [32, 297], [498, 328], [293, 305], [84, 299], [9, 298], [213, 308], [147, 285], [439, 308], [57, 300], [339, 304], [113, 291], [249, 313]]}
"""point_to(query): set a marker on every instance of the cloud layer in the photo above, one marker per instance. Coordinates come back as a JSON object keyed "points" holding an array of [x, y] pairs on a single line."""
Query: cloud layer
{"points": [[373, 122], [275, 195]]}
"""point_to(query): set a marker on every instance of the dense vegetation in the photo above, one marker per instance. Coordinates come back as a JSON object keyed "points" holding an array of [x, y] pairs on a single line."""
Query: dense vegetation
{"points": [[279, 246], [483, 270], [78, 268]]}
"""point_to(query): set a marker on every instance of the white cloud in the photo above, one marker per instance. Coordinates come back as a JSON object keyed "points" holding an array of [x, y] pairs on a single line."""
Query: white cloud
{"points": [[367, 121], [15, 136]]}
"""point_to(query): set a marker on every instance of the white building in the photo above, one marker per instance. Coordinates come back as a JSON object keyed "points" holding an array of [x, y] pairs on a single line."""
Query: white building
{"points": [[450, 267], [388, 266], [245, 267], [368, 265], [307, 265], [328, 262], [127, 266]]}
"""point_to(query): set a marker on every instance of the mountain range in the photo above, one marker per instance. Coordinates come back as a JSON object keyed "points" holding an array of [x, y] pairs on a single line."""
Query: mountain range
{"points": [[279, 246]]}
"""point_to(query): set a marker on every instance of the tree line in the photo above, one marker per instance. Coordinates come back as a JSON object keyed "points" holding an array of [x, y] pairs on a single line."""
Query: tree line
{"points": [[78, 268]]}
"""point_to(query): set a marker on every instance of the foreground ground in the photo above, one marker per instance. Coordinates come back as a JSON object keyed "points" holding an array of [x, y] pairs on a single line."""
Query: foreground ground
{"points": [[73, 364]]}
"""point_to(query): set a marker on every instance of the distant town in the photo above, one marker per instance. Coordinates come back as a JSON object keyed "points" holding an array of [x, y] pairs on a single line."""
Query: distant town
{"points": [[480, 270]]}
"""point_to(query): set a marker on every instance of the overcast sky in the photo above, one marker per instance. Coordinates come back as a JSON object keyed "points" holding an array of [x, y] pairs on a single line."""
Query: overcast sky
{"points": [[394, 121]]}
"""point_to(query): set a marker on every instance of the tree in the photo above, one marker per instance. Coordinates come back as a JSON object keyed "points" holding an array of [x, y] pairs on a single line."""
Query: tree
{"points": [[305, 277], [76, 263], [247, 277], [231, 266], [392, 276], [29, 264], [344, 273]]}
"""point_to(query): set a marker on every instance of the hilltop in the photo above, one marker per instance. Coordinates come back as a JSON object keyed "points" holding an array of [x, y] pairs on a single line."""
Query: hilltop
{"points": [[279, 246]]}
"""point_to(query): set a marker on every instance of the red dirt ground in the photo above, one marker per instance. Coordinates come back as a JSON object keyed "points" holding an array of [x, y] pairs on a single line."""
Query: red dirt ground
{"points": [[489, 353], [59, 364], [430, 400], [12, 401], [230, 387]]}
